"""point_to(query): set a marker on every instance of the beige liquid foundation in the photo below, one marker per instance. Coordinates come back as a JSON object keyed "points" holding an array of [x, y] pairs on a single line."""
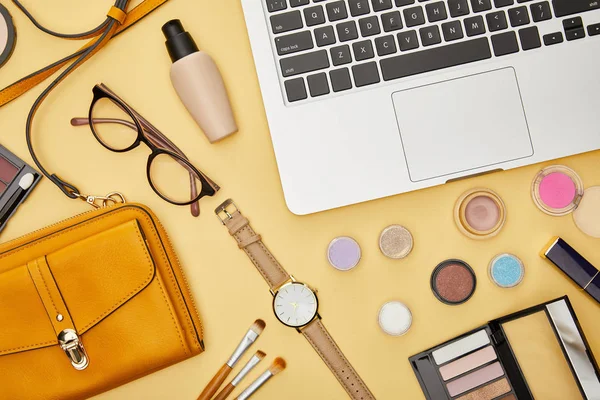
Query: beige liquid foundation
{"points": [[198, 83]]}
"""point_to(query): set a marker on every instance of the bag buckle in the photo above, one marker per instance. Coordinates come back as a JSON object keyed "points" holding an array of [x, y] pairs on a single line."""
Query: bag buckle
{"points": [[71, 344]]}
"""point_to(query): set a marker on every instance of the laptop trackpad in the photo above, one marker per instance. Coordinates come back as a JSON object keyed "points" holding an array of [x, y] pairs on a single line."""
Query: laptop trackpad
{"points": [[462, 124]]}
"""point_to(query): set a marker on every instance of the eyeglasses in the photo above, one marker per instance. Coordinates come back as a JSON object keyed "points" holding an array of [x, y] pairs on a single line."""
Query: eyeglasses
{"points": [[120, 128]]}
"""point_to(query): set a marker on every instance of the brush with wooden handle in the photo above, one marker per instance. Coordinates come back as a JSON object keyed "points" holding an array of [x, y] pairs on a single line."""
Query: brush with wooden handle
{"points": [[216, 382], [275, 368], [256, 358]]}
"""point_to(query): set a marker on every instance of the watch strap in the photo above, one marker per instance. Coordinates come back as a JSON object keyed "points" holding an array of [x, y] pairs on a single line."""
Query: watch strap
{"points": [[333, 357], [252, 244]]}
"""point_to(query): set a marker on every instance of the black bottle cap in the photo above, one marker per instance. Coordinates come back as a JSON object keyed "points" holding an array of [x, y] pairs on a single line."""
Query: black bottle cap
{"points": [[179, 42]]}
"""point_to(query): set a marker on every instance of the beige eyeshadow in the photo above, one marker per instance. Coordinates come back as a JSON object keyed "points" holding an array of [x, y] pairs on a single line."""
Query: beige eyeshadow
{"points": [[489, 392], [540, 357], [468, 363]]}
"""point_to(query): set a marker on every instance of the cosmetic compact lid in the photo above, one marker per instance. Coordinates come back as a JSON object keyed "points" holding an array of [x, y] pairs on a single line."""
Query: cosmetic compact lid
{"points": [[8, 35], [558, 190]]}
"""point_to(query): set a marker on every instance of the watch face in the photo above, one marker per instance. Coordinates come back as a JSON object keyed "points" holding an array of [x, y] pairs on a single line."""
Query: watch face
{"points": [[295, 304]]}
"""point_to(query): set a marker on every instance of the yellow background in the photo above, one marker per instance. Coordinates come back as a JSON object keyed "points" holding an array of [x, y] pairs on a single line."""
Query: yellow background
{"points": [[228, 290]]}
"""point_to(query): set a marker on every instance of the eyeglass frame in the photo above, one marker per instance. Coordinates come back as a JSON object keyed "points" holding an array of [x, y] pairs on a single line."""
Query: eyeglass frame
{"points": [[153, 140]]}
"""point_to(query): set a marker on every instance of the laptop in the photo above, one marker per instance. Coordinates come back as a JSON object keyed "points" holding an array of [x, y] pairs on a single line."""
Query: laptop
{"points": [[371, 98]]}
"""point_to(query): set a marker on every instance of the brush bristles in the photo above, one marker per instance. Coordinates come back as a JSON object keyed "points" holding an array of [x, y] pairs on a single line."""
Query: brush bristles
{"points": [[260, 354], [258, 326], [277, 366]]}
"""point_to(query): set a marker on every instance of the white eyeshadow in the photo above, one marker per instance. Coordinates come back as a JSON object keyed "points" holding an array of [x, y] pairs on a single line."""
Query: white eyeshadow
{"points": [[460, 347], [395, 318]]}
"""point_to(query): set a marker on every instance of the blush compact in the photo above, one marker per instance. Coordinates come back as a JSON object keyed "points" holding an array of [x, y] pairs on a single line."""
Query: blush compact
{"points": [[557, 190], [8, 36], [17, 180], [537, 353]]}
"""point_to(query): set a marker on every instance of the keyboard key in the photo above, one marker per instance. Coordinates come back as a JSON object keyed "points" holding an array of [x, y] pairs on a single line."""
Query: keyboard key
{"points": [[575, 22], [363, 50], [474, 26], [340, 79], [293, 43], [414, 16], [347, 31], [276, 5], [401, 3], [553, 38], [336, 11], [298, 3], [295, 90], [503, 3], [562, 8], [575, 34], [436, 11], [318, 85], [458, 8], [286, 22], [324, 36], [341, 55], [369, 26], [594, 30], [452, 31], [408, 40], [359, 7], [518, 16], [385, 45], [496, 21], [365, 74], [430, 35], [391, 21], [481, 5], [530, 38], [314, 15], [380, 5], [540, 11], [505, 43], [436, 58], [304, 63]]}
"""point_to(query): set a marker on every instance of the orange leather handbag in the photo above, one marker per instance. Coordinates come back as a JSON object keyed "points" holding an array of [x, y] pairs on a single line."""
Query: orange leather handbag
{"points": [[92, 303]]}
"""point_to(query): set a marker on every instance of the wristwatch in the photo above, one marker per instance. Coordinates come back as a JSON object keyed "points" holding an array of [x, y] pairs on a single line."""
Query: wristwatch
{"points": [[295, 304]]}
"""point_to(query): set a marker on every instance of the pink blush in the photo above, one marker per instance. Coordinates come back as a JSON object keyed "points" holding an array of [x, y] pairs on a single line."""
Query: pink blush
{"points": [[557, 190]]}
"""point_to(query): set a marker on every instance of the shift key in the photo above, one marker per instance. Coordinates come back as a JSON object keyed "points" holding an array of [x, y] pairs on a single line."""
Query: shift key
{"points": [[294, 43], [304, 63], [563, 8]]}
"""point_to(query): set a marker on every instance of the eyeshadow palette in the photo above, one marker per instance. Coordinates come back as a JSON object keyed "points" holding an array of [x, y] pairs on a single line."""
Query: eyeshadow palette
{"points": [[17, 180], [512, 358]]}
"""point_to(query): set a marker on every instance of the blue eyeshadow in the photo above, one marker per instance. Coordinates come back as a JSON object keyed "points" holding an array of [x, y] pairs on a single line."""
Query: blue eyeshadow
{"points": [[506, 270]]}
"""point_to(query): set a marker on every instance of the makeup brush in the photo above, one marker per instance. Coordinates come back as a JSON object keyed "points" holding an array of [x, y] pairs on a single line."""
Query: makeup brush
{"points": [[256, 358], [275, 368], [24, 185], [216, 382]]}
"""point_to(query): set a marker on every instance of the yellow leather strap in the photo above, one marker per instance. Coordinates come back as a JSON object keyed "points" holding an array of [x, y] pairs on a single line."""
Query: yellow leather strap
{"points": [[117, 14], [23, 85], [50, 295]]}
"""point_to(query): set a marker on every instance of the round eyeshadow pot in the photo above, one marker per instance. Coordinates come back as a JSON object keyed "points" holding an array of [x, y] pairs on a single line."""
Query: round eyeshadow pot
{"points": [[8, 35], [480, 214], [557, 190], [343, 253], [396, 242], [506, 270], [453, 282], [394, 318]]}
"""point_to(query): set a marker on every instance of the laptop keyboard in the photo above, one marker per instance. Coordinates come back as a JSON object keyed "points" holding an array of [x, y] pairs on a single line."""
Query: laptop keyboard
{"points": [[329, 46]]}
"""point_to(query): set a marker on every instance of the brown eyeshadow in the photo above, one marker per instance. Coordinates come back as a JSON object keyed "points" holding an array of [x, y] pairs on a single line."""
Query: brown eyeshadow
{"points": [[509, 397], [453, 282], [489, 392], [7, 170]]}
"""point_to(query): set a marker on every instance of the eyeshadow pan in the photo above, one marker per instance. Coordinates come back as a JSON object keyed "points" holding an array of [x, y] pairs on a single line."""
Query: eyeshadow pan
{"points": [[7, 170], [509, 397], [461, 347], [489, 392], [453, 282], [475, 379], [468, 363], [2, 187]]}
